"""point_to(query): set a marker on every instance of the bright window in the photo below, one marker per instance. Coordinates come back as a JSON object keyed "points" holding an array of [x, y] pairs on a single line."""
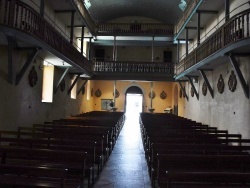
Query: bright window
{"points": [[48, 79], [88, 90]]}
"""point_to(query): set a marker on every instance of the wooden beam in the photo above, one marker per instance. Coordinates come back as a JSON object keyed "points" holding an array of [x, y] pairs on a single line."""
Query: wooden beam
{"points": [[183, 90], [192, 85], [30, 58], [194, 28], [84, 83], [207, 11], [64, 11], [239, 75], [61, 79], [11, 43], [72, 26], [204, 76], [73, 84]]}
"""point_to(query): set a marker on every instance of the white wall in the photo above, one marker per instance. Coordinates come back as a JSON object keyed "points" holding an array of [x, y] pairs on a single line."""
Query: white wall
{"points": [[229, 110], [21, 105]]}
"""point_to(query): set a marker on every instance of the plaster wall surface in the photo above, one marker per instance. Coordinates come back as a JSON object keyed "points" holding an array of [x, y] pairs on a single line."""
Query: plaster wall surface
{"points": [[229, 110], [20, 105], [107, 88]]}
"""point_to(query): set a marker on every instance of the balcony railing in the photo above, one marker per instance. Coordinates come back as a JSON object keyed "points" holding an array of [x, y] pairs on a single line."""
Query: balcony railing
{"points": [[236, 29], [133, 67], [20, 16], [135, 28]]}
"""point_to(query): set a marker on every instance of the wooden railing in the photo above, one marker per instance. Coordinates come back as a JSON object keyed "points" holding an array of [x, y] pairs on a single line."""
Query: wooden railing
{"points": [[20, 16], [237, 28], [135, 28], [133, 67]]}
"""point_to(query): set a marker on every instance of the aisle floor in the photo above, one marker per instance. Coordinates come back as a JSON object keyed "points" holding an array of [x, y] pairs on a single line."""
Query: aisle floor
{"points": [[126, 167]]}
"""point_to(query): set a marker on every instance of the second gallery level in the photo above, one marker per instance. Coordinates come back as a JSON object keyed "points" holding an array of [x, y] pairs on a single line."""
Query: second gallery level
{"points": [[126, 40]]}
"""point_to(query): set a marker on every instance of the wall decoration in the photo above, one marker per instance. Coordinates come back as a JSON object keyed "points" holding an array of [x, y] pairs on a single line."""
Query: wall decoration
{"points": [[192, 92], [62, 85], [33, 77], [232, 82], [204, 88], [98, 93], [105, 104], [117, 93], [151, 96], [220, 85], [163, 95], [180, 93]]}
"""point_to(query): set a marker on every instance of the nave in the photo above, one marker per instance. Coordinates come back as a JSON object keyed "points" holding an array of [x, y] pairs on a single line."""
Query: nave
{"points": [[126, 167]]}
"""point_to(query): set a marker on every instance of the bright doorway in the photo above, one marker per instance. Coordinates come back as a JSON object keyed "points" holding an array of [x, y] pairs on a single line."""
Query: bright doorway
{"points": [[133, 103]]}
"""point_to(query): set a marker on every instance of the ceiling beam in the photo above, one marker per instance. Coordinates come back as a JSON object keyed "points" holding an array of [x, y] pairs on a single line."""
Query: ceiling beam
{"points": [[64, 11], [207, 11], [194, 28], [76, 26]]}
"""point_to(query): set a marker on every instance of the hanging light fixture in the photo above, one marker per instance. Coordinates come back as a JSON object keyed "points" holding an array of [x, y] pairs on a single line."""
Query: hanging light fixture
{"points": [[182, 5]]}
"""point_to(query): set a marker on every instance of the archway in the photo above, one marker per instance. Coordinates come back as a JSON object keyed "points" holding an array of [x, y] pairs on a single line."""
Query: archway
{"points": [[133, 100], [176, 100]]}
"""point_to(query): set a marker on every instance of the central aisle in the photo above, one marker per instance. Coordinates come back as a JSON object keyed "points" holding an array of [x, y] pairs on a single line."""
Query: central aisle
{"points": [[126, 167]]}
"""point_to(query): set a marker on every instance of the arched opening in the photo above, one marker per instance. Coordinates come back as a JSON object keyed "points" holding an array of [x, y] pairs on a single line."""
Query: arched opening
{"points": [[133, 100], [176, 100]]}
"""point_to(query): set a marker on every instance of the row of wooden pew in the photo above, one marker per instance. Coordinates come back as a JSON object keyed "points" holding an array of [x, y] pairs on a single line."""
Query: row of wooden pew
{"points": [[69, 152], [183, 153]]}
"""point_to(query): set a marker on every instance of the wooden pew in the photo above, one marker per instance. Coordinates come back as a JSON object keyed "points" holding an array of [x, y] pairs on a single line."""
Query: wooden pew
{"points": [[76, 133], [60, 142], [200, 163], [32, 176], [206, 179], [71, 160], [94, 156]]}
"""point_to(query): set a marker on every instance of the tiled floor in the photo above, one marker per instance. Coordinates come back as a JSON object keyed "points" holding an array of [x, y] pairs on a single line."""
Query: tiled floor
{"points": [[126, 167]]}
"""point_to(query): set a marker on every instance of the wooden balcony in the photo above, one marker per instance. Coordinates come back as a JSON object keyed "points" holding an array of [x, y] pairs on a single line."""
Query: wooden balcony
{"points": [[232, 37], [19, 19], [142, 29], [128, 70]]}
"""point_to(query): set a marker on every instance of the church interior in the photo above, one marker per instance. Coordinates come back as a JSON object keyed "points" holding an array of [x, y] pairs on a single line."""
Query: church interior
{"points": [[133, 81]]}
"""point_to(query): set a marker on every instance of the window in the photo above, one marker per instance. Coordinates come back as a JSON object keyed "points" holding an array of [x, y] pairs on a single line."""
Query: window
{"points": [[48, 79]]}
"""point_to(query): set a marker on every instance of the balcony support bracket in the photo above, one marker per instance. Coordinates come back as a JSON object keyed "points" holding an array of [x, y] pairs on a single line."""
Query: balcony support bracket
{"points": [[73, 84], [192, 85], [61, 79], [239, 75], [11, 44], [30, 58], [84, 83], [204, 76], [183, 90]]}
